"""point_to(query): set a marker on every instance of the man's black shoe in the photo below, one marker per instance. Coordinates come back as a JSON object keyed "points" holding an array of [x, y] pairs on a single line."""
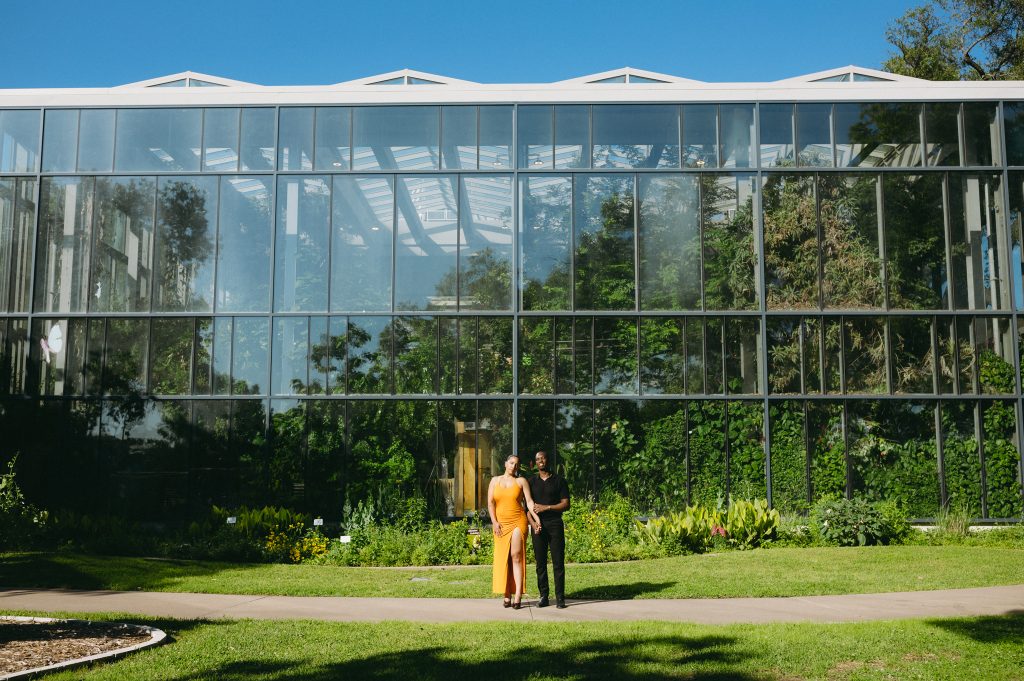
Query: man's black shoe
{"points": [[560, 604], [543, 602]]}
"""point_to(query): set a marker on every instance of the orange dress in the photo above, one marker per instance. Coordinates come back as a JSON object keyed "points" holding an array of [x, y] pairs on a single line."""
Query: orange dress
{"points": [[508, 510]]}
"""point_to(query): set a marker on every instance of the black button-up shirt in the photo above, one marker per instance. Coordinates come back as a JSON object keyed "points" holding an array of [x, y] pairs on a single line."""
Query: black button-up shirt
{"points": [[549, 492]]}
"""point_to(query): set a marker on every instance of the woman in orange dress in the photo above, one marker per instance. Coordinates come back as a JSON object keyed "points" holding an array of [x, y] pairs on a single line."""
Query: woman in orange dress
{"points": [[505, 498]]}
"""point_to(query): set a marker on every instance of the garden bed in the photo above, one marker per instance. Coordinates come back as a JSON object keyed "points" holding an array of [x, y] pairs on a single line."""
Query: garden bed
{"points": [[31, 645]]}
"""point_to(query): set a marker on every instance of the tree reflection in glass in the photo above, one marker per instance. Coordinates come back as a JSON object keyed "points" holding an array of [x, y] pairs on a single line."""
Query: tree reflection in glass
{"points": [[851, 260], [615, 359], [730, 255], [791, 247], [243, 249], [122, 256], [186, 225], [545, 234], [604, 236], [663, 361], [536, 355], [864, 354], [485, 244], [669, 237], [915, 244], [369, 355], [415, 340]]}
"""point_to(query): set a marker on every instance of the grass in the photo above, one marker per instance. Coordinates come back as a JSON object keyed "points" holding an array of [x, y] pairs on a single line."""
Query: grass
{"points": [[775, 572], [990, 648]]}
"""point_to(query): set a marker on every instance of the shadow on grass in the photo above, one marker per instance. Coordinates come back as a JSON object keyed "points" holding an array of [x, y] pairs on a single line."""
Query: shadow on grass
{"points": [[1007, 628], [34, 570], [652, 659], [620, 592], [102, 624], [83, 572]]}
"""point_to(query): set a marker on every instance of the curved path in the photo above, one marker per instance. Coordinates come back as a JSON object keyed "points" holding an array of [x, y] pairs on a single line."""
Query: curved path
{"points": [[996, 600]]}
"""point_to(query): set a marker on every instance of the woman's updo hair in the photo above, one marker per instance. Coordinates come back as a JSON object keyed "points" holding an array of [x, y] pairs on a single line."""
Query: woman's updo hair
{"points": [[513, 455]]}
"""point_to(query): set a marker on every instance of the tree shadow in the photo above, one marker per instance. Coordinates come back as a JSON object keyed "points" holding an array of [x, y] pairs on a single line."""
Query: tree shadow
{"points": [[620, 592], [33, 570], [1008, 628], [91, 573], [652, 659]]}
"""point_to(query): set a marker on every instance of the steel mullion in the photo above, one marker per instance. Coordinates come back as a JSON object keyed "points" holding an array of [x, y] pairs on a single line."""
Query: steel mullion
{"points": [[845, 423], [30, 304], [940, 441], [947, 232], [1014, 318], [271, 317], [514, 295], [636, 274], [238, 138], [979, 437], [216, 246], [806, 431], [330, 246]]}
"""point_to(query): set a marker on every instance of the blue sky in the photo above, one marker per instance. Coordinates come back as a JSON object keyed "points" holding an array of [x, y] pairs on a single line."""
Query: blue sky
{"points": [[64, 43]]}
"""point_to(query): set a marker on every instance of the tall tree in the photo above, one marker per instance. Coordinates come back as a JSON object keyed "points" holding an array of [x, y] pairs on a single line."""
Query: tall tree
{"points": [[959, 40]]}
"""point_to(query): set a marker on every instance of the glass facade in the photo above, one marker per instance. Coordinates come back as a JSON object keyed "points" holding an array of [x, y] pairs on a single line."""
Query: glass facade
{"points": [[680, 302]]}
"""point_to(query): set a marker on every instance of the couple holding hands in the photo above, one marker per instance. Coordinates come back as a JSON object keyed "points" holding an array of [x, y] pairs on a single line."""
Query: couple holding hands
{"points": [[513, 503]]}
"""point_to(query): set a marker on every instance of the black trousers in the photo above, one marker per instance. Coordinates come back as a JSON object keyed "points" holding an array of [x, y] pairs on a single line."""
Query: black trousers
{"points": [[551, 536]]}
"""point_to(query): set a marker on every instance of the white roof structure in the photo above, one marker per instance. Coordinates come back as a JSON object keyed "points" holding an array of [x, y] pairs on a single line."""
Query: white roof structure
{"points": [[852, 74], [405, 77], [187, 79], [407, 86], [626, 75]]}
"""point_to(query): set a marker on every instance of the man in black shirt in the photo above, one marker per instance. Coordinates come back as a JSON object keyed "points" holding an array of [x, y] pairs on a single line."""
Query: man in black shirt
{"points": [[551, 497]]}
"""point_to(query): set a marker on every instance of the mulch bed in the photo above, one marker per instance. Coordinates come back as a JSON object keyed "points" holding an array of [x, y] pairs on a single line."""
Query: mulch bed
{"points": [[28, 645]]}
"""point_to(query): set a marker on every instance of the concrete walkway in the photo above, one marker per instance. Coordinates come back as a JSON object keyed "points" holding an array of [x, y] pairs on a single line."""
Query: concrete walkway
{"points": [[998, 600]]}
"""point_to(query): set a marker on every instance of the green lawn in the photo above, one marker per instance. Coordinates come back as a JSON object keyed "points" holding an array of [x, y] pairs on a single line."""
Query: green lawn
{"points": [[989, 648], [774, 572]]}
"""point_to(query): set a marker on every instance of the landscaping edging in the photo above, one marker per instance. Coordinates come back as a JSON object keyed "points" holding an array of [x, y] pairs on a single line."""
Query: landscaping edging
{"points": [[157, 637]]}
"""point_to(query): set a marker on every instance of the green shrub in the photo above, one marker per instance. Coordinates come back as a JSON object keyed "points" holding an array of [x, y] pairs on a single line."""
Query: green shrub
{"points": [[222, 543], [793, 531], [258, 523], [103, 534], [1010, 537], [894, 513], [389, 546], [599, 532], [386, 507], [849, 522], [441, 544], [675, 533], [21, 523], [382, 545], [749, 524], [744, 524]]}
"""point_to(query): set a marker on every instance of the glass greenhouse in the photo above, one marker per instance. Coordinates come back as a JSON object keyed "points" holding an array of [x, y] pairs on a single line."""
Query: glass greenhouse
{"points": [[220, 293]]}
